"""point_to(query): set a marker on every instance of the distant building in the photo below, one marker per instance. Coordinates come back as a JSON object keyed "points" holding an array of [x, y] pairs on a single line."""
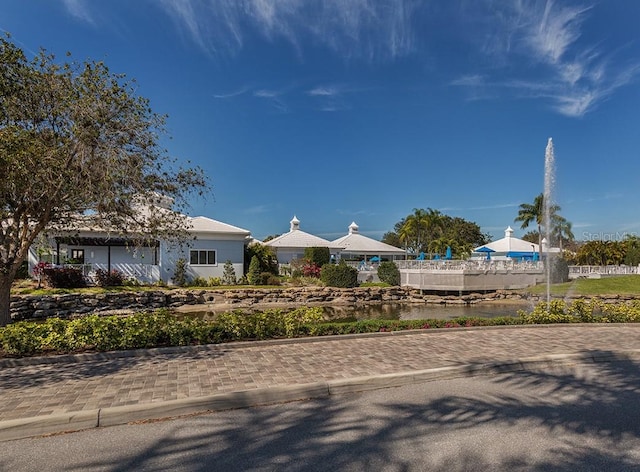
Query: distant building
{"points": [[508, 248], [290, 246], [214, 243], [358, 246]]}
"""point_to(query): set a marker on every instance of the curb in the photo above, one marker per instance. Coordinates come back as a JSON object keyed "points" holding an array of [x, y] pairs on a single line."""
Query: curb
{"points": [[82, 420]]}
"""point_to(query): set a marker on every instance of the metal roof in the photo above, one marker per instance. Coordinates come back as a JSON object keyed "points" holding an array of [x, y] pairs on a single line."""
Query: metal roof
{"points": [[356, 243], [296, 238]]}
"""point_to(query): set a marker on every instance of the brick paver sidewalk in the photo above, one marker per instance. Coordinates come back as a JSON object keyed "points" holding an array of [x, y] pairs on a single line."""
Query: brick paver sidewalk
{"points": [[93, 381]]}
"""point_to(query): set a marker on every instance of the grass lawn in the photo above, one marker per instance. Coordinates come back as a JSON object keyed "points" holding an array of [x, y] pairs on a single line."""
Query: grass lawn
{"points": [[619, 285], [30, 287]]}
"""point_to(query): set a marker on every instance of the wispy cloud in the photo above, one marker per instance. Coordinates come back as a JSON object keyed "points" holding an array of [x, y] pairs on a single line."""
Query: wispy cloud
{"points": [[263, 93], [370, 29], [473, 80], [233, 94], [323, 92], [324, 98], [212, 25], [78, 9], [274, 97], [553, 32], [331, 98], [573, 76]]}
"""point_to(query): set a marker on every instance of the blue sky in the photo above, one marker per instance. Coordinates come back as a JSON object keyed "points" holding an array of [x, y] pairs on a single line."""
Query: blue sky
{"points": [[361, 110]]}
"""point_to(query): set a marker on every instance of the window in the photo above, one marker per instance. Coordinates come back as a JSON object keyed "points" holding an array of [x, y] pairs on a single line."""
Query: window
{"points": [[77, 256], [202, 257]]}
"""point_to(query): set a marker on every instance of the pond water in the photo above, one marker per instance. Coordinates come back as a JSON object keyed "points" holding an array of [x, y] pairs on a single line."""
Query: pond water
{"points": [[404, 311], [421, 312]]}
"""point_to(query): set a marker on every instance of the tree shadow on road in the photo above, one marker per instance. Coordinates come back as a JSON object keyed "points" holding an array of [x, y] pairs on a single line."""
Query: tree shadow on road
{"points": [[585, 417], [93, 366]]}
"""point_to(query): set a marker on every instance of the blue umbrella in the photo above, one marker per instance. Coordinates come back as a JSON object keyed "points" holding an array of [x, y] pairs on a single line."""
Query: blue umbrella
{"points": [[374, 259], [448, 253], [486, 249]]}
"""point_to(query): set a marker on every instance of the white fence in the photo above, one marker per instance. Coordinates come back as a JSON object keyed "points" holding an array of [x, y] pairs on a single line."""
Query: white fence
{"points": [[593, 272], [143, 273], [468, 265]]}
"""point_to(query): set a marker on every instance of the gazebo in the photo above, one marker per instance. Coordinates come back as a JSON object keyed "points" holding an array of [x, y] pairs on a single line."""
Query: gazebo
{"points": [[358, 246], [291, 245], [508, 248]]}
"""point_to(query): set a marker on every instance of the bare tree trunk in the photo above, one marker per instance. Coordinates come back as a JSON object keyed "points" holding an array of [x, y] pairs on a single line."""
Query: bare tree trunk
{"points": [[5, 299]]}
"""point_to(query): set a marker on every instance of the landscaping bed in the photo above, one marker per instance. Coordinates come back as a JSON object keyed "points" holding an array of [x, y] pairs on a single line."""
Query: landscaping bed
{"points": [[162, 328]]}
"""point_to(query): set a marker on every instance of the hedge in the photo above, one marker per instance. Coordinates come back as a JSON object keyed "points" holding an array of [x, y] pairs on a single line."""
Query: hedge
{"points": [[162, 328], [339, 275]]}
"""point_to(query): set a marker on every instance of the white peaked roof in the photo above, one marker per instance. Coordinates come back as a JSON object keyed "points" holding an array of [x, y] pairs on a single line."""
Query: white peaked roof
{"points": [[202, 224], [356, 243], [510, 244], [296, 238]]}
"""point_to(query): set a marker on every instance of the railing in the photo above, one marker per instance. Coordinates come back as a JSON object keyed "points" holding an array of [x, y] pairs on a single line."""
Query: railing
{"points": [[469, 265], [143, 273], [85, 268], [586, 270]]}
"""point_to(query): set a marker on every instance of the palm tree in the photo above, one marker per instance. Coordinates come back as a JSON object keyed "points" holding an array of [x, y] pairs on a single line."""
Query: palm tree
{"points": [[439, 245], [561, 230], [417, 228], [411, 230], [529, 213]]}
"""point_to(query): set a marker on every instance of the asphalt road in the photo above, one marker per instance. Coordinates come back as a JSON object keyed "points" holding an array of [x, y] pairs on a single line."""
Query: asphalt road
{"points": [[563, 418]]}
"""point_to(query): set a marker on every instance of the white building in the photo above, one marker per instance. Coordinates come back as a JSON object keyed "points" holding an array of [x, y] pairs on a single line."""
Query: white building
{"points": [[214, 243], [358, 246], [508, 248], [290, 246]]}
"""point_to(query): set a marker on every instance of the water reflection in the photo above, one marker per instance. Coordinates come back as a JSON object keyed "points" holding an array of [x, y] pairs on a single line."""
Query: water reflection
{"points": [[420, 312], [403, 311]]}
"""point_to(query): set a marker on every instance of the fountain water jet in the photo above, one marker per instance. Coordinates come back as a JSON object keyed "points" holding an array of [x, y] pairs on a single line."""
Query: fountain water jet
{"points": [[549, 185]]}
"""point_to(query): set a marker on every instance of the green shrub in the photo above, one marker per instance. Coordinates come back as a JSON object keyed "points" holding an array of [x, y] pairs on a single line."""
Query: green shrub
{"points": [[296, 266], [339, 275], [180, 273], [198, 282], [580, 311], [317, 255], [22, 339], [389, 273], [268, 278], [162, 328], [64, 277], [266, 256], [109, 279], [228, 274], [253, 276], [133, 282]]}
